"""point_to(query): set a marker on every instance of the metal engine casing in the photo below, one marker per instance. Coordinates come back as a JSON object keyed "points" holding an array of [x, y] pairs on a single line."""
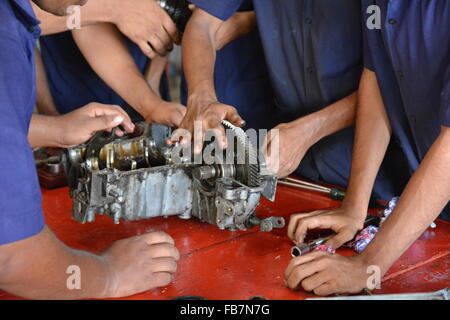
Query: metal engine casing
{"points": [[135, 178]]}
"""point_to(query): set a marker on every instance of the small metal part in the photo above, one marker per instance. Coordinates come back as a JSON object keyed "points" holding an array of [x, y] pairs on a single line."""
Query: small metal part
{"points": [[204, 172], [258, 298], [304, 248], [268, 224], [443, 294], [178, 10]]}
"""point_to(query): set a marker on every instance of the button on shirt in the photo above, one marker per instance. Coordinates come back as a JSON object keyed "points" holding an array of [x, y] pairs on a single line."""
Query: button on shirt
{"points": [[20, 197], [410, 54]]}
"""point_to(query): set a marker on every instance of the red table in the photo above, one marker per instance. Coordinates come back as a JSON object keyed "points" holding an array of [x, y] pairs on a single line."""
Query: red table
{"points": [[238, 265]]}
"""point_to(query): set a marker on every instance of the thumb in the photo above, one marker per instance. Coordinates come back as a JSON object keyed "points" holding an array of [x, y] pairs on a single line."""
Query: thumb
{"points": [[340, 238], [105, 122]]}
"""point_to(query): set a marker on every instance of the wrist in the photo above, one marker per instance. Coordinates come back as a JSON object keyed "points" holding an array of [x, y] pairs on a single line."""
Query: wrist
{"points": [[109, 10], [106, 290], [203, 95], [304, 129], [59, 130], [356, 209]]}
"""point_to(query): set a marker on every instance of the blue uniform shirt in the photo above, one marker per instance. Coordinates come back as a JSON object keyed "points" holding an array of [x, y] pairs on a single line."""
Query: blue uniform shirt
{"points": [[411, 57], [241, 78], [313, 50], [73, 83], [20, 198]]}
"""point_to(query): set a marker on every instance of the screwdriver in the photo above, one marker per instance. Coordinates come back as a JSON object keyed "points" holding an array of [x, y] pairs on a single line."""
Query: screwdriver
{"points": [[334, 193]]}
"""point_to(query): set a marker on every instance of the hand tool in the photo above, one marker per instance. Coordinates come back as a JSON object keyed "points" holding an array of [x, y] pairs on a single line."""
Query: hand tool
{"points": [[443, 294], [304, 248]]}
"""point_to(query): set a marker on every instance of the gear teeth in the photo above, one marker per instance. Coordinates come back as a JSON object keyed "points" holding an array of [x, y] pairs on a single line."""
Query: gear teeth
{"points": [[252, 167]]}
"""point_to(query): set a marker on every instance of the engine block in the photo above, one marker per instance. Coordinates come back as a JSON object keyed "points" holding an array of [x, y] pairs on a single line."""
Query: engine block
{"points": [[139, 177]]}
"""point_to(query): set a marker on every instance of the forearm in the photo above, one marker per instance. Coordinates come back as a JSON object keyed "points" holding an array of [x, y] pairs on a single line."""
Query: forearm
{"points": [[423, 199], [239, 24], [329, 120], [105, 49], [36, 268], [372, 136], [199, 56], [44, 131], [44, 102], [92, 12]]}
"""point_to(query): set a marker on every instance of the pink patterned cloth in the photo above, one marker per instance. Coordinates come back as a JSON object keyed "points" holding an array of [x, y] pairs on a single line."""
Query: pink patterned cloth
{"points": [[326, 248]]}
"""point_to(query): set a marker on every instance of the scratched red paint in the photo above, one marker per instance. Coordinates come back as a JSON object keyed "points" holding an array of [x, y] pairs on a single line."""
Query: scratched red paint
{"points": [[238, 265]]}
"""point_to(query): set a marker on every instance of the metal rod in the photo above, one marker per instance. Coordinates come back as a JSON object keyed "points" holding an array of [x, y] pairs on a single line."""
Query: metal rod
{"points": [[302, 182], [443, 294], [306, 187]]}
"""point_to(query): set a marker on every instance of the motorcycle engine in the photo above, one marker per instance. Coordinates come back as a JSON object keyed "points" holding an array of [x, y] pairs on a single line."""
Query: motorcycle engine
{"points": [[138, 176]]}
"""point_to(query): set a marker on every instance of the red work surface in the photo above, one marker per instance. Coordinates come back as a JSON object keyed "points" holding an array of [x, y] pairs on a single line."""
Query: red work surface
{"points": [[238, 265]]}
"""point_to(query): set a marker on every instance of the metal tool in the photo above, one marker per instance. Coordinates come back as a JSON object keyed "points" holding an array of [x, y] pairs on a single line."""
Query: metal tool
{"points": [[334, 193], [443, 294], [304, 248], [178, 10]]}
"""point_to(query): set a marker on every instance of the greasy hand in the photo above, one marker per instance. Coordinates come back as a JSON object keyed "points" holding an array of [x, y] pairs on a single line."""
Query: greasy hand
{"points": [[80, 125], [284, 148], [166, 113], [344, 221], [326, 274], [145, 23], [203, 116], [140, 263]]}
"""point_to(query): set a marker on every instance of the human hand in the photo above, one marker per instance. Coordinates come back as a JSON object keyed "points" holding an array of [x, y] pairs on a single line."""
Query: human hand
{"points": [[345, 221], [165, 113], [326, 274], [284, 148], [140, 263], [203, 115], [145, 23], [80, 125]]}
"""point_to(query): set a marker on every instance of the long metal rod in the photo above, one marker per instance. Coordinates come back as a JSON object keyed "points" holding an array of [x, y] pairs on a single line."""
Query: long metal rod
{"points": [[306, 187], [443, 294], [302, 182]]}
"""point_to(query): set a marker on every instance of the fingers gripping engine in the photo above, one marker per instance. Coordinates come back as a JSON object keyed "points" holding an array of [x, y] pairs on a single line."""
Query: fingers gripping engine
{"points": [[139, 177]]}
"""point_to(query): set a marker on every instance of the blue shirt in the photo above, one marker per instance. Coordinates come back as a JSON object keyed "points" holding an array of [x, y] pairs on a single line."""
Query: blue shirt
{"points": [[313, 50], [242, 80], [410, 55], [73, 83], [20, 198]]}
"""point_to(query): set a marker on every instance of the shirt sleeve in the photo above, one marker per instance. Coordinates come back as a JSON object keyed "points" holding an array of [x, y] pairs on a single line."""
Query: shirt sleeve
{"points": [[20, 198], [367, 55], [445, 99], [221, 9]]}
